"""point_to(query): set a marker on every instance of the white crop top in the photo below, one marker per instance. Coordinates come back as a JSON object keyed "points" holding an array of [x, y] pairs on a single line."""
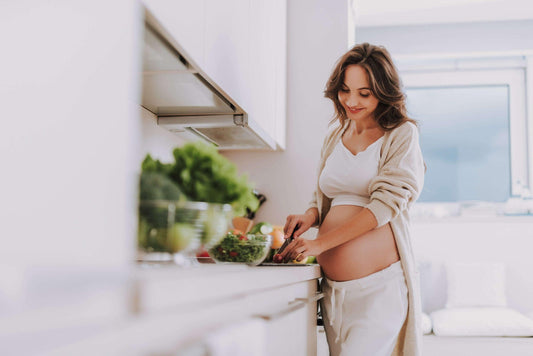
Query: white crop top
{"points": [[345, 177]]}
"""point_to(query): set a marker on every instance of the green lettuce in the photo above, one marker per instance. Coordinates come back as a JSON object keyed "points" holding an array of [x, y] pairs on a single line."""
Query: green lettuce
{"points": [[203, 174]]}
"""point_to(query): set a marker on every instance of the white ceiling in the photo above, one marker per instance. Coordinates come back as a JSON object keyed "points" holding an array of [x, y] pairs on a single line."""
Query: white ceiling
{"points": [[413, 12]]}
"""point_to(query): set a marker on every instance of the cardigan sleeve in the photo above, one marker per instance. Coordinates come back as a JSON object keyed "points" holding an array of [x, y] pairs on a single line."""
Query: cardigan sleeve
{"points": [[314, 201], [401, 178], [330, 135]]}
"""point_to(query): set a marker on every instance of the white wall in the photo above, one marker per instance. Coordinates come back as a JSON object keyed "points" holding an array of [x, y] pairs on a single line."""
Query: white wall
{"points": [[409, 12], [317, 37], [156, 140], [450, 38]]}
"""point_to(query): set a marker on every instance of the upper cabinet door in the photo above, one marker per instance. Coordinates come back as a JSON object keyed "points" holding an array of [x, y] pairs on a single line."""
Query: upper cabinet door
{"points": [[268, 58], [185, 20], [227, 46], [245, 49], [241, 45]]}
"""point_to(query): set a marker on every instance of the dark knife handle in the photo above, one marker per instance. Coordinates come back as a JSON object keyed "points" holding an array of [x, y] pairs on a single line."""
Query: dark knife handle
{"points": [[286, 243]]}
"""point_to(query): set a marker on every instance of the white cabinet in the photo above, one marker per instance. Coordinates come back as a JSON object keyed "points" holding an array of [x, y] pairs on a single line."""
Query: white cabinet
{"points": [[185, 20], [245, 53], [245, 49], [268, 65], [291, 322], [242, 46], [226, 46], [218, 297], [174, 310], [75, 64]]}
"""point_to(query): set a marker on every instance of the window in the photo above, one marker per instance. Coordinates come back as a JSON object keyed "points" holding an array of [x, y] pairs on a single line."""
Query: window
{"points": [[473, 125], [465, 142]]}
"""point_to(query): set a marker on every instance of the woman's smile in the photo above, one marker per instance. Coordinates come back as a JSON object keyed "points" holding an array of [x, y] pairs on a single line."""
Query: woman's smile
{"points": [[354, 110]]}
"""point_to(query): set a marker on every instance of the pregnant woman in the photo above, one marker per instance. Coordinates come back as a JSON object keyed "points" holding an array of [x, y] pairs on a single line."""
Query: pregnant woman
{"points": [[370, 172]]}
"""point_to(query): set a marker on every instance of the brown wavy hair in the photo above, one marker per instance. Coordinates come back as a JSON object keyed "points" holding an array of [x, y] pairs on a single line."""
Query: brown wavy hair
{"points": [[384, 82]]}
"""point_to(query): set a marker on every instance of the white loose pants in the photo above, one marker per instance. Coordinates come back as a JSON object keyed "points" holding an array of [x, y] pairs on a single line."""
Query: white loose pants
{"points": [[363, 317]]}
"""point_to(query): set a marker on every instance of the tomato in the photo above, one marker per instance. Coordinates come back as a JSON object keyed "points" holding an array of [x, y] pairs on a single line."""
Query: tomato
{"points": [[277, 258], [242, 237], [233, 253], [202, 254]]}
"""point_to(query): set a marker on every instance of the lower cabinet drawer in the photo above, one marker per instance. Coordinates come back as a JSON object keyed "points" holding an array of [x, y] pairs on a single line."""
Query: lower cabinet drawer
{"points": [[288, 317], [291, 319], [286, 314]]}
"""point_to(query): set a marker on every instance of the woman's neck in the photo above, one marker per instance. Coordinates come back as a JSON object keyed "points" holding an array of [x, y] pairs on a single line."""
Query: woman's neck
{"points": [[365, 127]]}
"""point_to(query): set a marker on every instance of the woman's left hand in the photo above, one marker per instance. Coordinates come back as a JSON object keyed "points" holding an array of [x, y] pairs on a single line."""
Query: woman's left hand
{"points": [[300, 248]]}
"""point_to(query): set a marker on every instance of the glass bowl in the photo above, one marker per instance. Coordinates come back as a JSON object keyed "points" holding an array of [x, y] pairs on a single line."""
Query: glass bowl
{"points": [[216, 221], [179, 228], [170, 226], [251, 249]]}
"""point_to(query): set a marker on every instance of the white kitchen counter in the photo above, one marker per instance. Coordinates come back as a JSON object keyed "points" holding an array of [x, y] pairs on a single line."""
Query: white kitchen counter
{"points": [[192, 302], [161, 287], [153, 308]]}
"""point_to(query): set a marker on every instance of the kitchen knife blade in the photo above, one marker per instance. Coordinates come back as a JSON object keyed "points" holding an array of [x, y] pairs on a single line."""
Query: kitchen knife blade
{"points": [[286, 243], [288, 240]]}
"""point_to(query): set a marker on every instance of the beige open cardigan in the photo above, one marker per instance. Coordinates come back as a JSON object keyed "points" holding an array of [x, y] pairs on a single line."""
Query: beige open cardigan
{"points": [[396, 186]]}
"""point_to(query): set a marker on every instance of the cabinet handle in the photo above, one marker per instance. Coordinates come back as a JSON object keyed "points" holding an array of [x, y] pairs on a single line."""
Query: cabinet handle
{"points": [[315, 298], [292, 307]]}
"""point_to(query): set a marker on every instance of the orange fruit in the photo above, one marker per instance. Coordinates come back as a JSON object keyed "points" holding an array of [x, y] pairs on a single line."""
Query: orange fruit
{"points": [[278, 238]]}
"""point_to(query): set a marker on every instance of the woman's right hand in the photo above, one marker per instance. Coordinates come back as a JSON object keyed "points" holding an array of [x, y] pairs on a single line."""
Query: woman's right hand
{"points": [[298, 224]]}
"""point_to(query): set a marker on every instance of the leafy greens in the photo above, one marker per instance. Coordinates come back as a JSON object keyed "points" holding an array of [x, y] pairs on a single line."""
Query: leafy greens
{"points": [[203, 174]]}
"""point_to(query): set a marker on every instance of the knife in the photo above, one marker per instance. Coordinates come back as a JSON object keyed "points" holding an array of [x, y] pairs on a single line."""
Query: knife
{"points": [[288, 240], [286, 243]]}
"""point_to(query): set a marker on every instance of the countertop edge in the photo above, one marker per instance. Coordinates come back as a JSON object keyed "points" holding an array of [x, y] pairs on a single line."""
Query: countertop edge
{"points": [[172, 288]]}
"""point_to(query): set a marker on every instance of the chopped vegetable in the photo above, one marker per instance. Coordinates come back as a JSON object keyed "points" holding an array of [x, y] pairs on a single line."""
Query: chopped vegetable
{"points": [[277, 258], [235, 248], [262, 228], [311, 259]]}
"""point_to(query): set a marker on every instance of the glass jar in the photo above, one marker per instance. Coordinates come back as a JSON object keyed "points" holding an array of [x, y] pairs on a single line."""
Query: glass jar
{"points": [[176, 230]]}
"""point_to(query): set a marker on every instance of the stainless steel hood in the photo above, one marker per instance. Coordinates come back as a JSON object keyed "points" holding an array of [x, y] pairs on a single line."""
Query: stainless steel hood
{"points": [[187, 102]]}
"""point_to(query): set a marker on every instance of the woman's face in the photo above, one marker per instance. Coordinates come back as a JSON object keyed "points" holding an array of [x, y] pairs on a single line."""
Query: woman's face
{"points": [[355, 95]]}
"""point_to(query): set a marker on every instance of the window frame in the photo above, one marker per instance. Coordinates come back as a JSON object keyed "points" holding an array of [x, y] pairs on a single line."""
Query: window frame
{"points": [[484, 72]]}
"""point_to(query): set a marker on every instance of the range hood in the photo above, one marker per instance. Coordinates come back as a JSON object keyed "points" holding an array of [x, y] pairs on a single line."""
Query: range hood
{"points": [[187, 102]]}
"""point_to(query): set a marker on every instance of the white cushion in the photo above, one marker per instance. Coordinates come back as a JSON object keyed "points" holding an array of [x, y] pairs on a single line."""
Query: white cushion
{"points": [[433, 284], [481, 322], [426, 324], [475, 285]]}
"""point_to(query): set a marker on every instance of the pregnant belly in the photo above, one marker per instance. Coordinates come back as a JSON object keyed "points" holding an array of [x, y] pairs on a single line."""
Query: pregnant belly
{"points": [[360, 257]]}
